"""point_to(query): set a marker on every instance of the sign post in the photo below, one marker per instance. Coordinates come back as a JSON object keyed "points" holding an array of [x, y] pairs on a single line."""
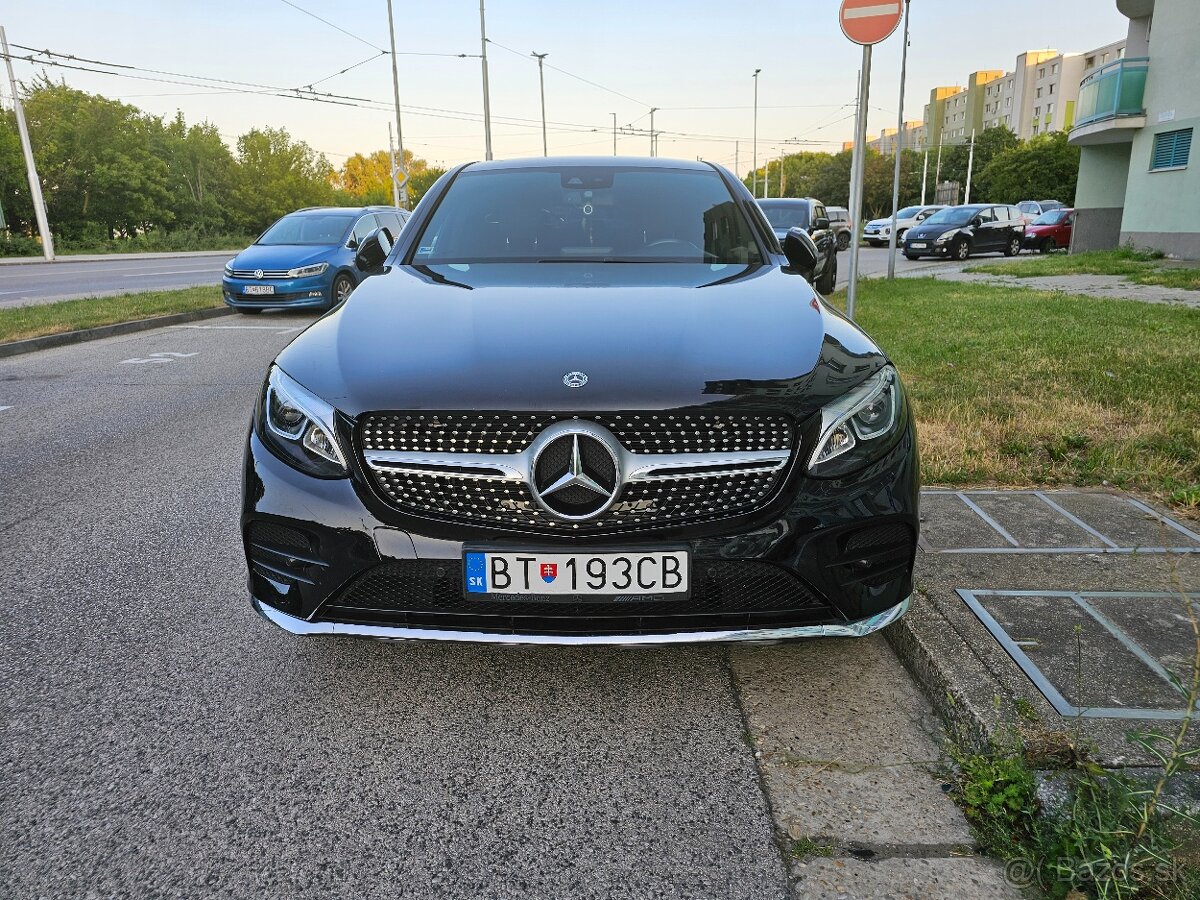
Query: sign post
{"points": [[865, 22]]}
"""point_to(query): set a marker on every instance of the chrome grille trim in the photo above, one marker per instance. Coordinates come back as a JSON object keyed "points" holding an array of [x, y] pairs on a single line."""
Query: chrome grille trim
{"points": [[519, 466], [266, 273]]}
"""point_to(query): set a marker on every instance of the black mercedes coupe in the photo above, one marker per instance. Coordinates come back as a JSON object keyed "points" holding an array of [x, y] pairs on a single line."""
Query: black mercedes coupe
{"points": [[583, 401]]}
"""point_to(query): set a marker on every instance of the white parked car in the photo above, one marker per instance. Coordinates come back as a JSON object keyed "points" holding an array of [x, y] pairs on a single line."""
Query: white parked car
{"points": [[878, 231]]}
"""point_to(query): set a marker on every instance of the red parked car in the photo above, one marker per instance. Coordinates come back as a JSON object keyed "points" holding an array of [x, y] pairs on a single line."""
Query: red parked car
{"points": [[1050, 231]]}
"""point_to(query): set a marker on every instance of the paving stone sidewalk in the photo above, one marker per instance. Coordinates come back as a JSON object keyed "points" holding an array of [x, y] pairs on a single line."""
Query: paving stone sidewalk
{"points": [[1109, 286]]}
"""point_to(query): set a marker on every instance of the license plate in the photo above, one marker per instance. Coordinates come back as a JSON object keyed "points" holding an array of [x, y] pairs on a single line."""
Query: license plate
{"points": [[590, 574], [918, 245], [258, 289]]}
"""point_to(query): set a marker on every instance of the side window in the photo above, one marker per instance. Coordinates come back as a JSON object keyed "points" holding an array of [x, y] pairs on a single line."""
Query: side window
{"points": [[1070, 220], [362, 228], [987, 215], [390, 221], [819, 213]]}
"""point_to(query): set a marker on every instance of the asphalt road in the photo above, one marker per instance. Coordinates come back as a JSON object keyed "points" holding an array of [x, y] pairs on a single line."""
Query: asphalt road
{"points": [[22, 284], [161, 739], [46, 282]]}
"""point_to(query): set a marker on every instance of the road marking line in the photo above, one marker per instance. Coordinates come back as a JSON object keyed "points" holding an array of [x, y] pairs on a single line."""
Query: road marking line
{"points": [[179, 272], [1171, 523], [866, 12], [3, 408], [161, 357]]}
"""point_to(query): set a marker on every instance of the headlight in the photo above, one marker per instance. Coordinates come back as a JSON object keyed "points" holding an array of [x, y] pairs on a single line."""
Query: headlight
{"points": [[855, 429], [299, 426], [945, 237], [229, 267], [308, 271]]}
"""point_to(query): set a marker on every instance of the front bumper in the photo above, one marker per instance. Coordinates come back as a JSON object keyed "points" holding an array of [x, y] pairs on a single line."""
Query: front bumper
{"points": [[829, 557], [292, 293], [861, 628]]}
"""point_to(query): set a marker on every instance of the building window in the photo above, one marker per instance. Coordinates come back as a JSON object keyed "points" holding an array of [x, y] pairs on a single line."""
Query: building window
{"points": [[1039, 92], [1037, 111], [1090, 62], [1049, 108], [1035, 127], [1171, 149], [1042, 72], [1007, 102], [1052, 89], [1054, 69]]}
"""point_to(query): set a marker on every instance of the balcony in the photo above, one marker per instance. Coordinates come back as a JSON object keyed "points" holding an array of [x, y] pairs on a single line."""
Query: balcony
{"points": [[1110, 108]]}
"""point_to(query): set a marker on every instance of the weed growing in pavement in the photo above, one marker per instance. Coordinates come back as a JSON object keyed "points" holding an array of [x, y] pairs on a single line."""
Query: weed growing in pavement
{"points": [[1115, 837], [807, 848]]}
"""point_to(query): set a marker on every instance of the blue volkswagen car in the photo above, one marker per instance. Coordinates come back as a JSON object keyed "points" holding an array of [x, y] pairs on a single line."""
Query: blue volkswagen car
{"points": [[306, 259]]}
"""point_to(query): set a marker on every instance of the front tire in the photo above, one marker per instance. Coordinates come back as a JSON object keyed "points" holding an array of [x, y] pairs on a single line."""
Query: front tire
{"points": [[961, 250], [828, 280], [843, 241], [343, 286], [1049, 245], [1013, 247], [913, 256]]}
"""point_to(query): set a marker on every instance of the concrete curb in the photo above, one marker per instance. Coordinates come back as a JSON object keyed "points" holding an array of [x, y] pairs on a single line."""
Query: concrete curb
{"points": [[62, 339], [104, 257]]}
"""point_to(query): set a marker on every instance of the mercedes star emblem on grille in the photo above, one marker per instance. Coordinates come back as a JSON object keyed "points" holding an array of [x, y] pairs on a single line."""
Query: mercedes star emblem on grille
{"points": [[258, 273], [575, 379], [576, 474]]}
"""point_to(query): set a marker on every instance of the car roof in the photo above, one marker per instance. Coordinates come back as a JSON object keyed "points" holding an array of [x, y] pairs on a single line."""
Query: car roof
{"points": [[622, 162], [352, 210], [788, 201]]}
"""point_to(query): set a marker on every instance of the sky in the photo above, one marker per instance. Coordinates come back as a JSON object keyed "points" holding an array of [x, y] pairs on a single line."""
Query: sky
{"points": [[693, 60]]}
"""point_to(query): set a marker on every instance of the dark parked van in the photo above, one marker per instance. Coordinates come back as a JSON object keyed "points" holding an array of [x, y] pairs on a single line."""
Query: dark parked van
{"points": [[960, 231]]}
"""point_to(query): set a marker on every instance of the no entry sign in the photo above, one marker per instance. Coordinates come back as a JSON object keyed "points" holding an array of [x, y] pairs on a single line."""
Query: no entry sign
{"points": [[870, 21]]}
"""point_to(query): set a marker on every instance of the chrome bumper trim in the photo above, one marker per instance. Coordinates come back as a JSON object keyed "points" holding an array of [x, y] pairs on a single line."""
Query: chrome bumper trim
{"points": [[861, 628]]}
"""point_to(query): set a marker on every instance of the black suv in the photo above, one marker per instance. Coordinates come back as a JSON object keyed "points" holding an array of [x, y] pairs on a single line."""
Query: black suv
{"points": [[583, 400], [811, 217], [960, 231]]}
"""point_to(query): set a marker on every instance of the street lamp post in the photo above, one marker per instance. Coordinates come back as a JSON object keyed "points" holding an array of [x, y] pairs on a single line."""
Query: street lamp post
{"points": [[487, 102], [653, 110], [754, 177], [891, 270], [542, 86], [614, 115]]}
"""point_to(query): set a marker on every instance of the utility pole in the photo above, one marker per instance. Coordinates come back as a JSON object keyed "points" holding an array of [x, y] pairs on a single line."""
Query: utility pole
{"points": [[653, 110], [737, 159], [970, 166], [924, 177], [754, 153], [856, 177], [614, 115], [542, 85], [35, 186], [487, 100], [401, 195], [392, 161], [891, 274], [782, 156]]}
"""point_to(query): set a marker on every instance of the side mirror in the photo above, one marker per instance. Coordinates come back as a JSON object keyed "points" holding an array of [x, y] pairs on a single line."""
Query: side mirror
{"points": [[976, 222], [373, 250], [820, 224], [921, 217], [801, 252]]}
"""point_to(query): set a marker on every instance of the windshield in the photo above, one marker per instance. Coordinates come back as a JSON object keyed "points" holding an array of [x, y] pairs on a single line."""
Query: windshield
{"points": [[955, 215], [909, 212], [587, 213], [1051, 218], [307, 229], [783, 216], [1028, 207], [1051, 204]]}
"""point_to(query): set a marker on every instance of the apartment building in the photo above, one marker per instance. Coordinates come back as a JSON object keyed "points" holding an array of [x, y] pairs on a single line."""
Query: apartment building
{"points": [[1135, 119]]}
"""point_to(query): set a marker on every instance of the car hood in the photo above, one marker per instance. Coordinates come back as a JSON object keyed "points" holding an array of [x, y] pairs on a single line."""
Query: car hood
{"points": [[885, 223], [280, 256], [925, 232], [648, 336], [1041, 229]]}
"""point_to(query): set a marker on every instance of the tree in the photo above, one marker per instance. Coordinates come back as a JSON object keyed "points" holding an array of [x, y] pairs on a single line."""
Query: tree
{"points": [[367, 179], [989, 144], [200, 173], [1044, 167], [276, 175], [14, 188]]}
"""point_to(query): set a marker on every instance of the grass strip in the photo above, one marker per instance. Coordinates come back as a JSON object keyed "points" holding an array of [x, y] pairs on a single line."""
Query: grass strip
{"points": [[1137, 266], [20, 322], [1016, 387]]}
